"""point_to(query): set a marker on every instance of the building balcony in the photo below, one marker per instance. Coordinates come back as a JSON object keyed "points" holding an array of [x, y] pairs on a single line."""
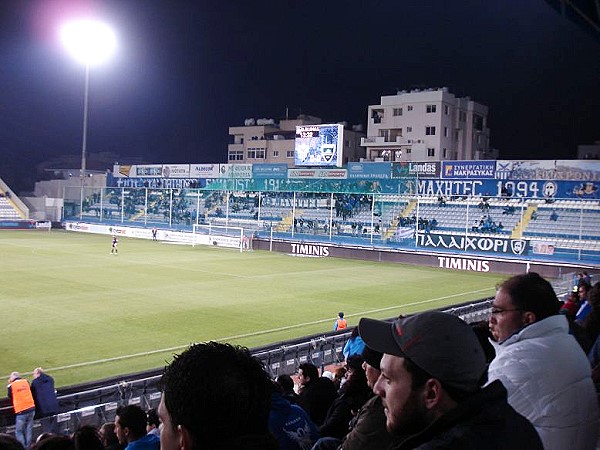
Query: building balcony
{"points": [[381, 141]]}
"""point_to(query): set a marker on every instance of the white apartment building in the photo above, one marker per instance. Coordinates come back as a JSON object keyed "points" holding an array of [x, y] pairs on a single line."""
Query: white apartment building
{"points": [[427, 125], [265, 141]]}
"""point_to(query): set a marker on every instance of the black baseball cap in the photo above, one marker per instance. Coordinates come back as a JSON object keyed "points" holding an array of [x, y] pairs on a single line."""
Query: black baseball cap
{"points": [[441, 344]]}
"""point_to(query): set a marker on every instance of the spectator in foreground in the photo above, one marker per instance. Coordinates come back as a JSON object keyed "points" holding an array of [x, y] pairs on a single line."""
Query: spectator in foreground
{"points": [[215, 396], [367, 429], [286, 384], [585, 307], [430, 380], [352, 396], [290, 424], [544, 370], [87, 437], [46, 403], [19, 393], [130, 428], [316, 393], [8, 442], [109, 437]]}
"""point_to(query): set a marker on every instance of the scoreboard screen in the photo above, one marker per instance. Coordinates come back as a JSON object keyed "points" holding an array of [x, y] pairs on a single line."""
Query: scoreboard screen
{"points": [[318, 145]]}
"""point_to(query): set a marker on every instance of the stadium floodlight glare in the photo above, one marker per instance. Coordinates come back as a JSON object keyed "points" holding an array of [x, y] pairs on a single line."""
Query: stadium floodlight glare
{"points": [[91, 43]]}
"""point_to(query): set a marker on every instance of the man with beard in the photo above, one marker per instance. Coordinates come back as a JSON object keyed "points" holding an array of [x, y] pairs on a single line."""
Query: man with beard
{"points": [[430, 387]]}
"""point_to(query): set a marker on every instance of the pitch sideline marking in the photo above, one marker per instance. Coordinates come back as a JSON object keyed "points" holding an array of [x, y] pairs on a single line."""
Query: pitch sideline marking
{"points": [[256, 333]]}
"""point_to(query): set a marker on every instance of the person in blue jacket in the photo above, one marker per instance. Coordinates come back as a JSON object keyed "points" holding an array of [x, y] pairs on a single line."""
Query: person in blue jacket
{"points": [[290, 424], [354, 346]]}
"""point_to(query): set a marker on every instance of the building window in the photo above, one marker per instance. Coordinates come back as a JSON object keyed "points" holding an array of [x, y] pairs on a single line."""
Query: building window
{"points": [[462, 116], [397, 111], [276, 154], [431, 108], [409, 108], [289, 154], [408, 150], [446, 109], [431, 152], [444, 152], [429, 131], [236, 155], [408, 129], [445, 131], [256, 153], [478, 122]]}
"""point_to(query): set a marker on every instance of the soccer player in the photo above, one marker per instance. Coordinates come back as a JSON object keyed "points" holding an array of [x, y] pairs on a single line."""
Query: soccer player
{"points": [[115, 242]]}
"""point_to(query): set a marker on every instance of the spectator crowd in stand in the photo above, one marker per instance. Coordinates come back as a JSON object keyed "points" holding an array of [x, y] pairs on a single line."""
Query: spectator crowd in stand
{"points": [[420, 382]]}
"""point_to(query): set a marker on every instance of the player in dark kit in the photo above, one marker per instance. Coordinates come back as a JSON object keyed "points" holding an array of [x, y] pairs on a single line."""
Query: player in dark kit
{"points": [[115, 242]]}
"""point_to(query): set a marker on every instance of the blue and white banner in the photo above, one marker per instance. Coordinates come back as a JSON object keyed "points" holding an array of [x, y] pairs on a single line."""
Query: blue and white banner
{"points": [[485, 244]]}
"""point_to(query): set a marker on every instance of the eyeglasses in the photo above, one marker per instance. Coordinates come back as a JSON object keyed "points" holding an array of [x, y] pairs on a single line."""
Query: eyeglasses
{"points": [[496, 311]]}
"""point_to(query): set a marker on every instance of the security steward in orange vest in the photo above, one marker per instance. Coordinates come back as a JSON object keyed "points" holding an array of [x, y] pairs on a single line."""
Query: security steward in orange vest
{"points": [[19, 393], [340, 323]]}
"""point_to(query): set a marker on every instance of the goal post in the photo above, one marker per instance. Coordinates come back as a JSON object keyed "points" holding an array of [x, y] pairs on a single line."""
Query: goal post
{"points": [[219, 236]]}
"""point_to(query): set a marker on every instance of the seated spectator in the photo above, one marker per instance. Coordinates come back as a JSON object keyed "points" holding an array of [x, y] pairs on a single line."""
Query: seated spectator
{"points": [[153, 424], [290, 424], [352, 396], [130, 428], [87, 437], [354, 345], [109, 437], [544, 370], [339, 377], [583, 289], [8, 442], [55, 443], [316, 393], [431, 374], [216, 396], [367, 428], [286, 384], [571, 305], [591, 323], [554, 216]]}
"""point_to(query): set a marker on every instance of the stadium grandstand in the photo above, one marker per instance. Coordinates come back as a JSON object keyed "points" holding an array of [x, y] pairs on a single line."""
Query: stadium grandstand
{"points": [[483, 216]]}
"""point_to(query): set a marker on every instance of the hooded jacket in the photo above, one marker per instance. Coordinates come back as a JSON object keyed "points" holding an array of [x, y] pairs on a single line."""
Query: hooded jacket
{"points": [[548, 379], [44, 395], [291, 425]]}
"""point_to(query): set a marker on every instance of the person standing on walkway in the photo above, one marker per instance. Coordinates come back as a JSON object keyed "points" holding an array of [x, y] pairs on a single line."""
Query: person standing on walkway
{"points": [[20, 395]]}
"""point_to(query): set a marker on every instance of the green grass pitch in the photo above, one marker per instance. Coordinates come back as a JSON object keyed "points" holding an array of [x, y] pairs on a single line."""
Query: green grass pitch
{"points": [[70, 306]]}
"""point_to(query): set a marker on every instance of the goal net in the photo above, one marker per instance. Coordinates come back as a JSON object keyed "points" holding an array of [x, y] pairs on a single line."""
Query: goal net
{"points": [[219, 236]]}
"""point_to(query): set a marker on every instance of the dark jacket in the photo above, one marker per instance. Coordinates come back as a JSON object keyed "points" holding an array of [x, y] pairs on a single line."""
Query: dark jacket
{"points": [[483, 421], [339, 415], [44, 396], [368, 429], [291, 425], [316, 397]]}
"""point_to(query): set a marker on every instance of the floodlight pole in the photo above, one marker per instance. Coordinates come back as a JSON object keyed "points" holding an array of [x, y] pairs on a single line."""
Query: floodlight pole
{"points": [[85, 123]]}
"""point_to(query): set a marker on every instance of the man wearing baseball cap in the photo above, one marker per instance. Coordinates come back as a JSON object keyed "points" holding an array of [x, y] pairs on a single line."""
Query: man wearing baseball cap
{"points": [[430, 386]]}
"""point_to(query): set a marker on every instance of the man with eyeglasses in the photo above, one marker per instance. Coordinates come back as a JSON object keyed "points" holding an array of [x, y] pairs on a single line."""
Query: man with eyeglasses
{"points": [[543, 368]]}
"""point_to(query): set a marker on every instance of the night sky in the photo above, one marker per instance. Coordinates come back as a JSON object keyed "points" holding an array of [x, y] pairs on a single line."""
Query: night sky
{"points": [[187, 70]]}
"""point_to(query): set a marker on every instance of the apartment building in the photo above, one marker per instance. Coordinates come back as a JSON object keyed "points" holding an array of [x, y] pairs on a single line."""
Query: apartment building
{"points": [[427, 125], [266, 141]]}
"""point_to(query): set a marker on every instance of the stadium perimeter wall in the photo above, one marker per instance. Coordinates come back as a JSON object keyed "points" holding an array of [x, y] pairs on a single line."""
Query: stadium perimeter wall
{"points": [[447, 261]]}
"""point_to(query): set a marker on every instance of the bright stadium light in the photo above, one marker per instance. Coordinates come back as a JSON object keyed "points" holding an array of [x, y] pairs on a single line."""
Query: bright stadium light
{"points": [[91, 43], [88, 41]]}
